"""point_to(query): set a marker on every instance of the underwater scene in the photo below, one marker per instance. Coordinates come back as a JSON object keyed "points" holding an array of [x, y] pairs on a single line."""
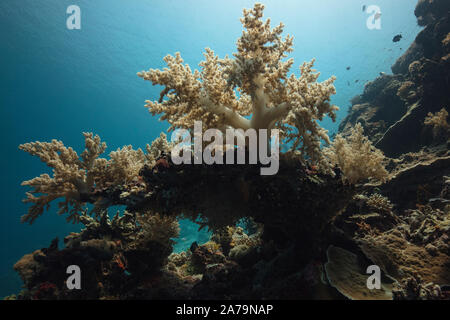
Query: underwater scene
{"points": [[225, 150]]}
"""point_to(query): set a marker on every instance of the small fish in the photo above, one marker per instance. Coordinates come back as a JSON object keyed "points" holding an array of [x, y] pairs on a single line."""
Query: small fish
{"points": [[348, 68], [356, 81], [397, 38], [364, 8]]}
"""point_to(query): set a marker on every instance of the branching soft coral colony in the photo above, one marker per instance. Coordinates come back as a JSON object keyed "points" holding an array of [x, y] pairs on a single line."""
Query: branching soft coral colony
{"points": [[357, 157], [255, 83], [75, 178], [72, 177], [251, 91]]}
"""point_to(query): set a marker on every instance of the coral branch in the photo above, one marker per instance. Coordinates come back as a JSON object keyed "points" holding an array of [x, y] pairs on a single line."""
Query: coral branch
{"points": [[255, 83], [76, 178], [72, 176]]}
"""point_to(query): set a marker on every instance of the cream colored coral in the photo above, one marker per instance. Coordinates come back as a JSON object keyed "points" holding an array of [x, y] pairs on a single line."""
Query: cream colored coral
{"points": [[255, 82], [357, 157], [72, 176], [380, 203], [157, 227], [75, 177], [159, 146], [124, 164], [438, 121]]}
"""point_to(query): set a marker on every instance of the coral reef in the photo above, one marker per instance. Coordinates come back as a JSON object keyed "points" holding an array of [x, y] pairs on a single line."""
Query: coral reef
{"points": [[377, 108], [413, 289], [393, 107], [407, 235], [399, 258], [428, 11], [114, 255], [151, 182], [308, 232]]}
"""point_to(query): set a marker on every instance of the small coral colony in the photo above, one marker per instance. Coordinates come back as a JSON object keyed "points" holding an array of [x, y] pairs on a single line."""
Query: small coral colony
{"points": [[303, 232]]}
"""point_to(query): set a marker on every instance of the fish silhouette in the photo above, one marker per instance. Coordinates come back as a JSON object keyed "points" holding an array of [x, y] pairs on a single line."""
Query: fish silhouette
{"points": [[397, 38]]}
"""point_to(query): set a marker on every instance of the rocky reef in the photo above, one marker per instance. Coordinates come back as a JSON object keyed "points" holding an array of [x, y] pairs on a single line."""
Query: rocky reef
{"points": [[378, 195], [392, 109], [406, 116]]}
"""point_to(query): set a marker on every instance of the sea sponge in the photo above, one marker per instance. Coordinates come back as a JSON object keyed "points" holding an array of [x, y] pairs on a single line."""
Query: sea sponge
{"points": [[255, 82], [357, 157]]}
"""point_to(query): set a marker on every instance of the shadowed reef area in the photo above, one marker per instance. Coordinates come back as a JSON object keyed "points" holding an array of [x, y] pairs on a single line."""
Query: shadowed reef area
{"points": [[378, 194]]}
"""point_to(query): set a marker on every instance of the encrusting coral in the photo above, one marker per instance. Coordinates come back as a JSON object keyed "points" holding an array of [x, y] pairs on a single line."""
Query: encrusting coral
{"points": [[256, 83], [413, 288], [348, 276], [156, 227]]}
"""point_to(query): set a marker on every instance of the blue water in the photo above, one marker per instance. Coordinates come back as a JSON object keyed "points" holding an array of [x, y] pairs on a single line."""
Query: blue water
{"points": [[57, 83]]}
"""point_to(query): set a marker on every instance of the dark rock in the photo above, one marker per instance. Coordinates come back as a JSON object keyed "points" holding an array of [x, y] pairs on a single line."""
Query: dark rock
{"points": [[427, 11], [404, 188], [377, 108], [413, 53]]}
